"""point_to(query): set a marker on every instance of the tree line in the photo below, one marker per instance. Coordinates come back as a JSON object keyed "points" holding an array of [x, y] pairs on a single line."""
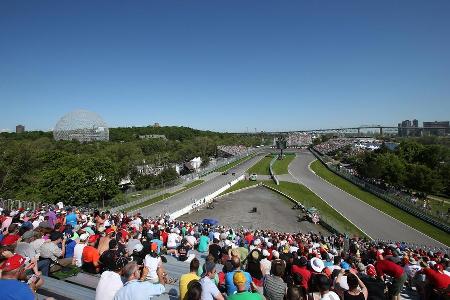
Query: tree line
{"points": [[35, 167], [412, 165]]}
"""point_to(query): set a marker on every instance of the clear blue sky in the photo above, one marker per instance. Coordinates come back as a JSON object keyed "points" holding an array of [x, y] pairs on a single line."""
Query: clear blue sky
{"points": [[225, 65]]}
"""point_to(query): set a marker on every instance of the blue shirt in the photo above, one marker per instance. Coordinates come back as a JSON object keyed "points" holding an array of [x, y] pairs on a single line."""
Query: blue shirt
{"points": [[71, 219], [231, 287], [139, 290], [70, 247], [11, 289]]}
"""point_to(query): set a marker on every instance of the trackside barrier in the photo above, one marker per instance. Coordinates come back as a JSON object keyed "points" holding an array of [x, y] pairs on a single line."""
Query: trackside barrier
{"points": [[322, 222], [200, 202], [272, 174], [10, 204], [171, 186], [407, 207]]}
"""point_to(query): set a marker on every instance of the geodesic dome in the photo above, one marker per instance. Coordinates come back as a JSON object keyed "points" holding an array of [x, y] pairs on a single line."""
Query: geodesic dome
{"points": [[81, 125]]}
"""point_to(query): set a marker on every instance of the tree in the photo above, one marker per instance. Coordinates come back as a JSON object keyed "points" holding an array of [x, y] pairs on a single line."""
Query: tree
{"points": [[423, 179]]}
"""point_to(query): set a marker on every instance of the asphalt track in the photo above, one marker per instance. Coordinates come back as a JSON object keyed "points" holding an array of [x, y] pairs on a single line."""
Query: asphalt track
{"points": [[183, 199], [373, 222], [273, 211]]}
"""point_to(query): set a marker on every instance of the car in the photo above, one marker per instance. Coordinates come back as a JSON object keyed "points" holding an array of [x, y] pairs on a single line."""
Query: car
{"points": [[225, 173]]}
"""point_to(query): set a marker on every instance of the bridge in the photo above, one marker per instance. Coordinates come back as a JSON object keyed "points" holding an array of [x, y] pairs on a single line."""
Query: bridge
{"points": [[355, 129]]}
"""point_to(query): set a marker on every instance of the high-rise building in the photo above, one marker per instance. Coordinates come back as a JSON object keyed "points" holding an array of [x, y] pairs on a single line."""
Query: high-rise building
{"points": [[436, 128], [20, 129]]}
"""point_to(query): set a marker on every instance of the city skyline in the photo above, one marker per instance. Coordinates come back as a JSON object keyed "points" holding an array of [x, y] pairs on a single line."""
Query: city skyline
{"points": [[225, 66]]}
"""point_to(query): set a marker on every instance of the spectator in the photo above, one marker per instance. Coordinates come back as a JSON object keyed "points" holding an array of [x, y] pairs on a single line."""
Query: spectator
{"points": [[50, 250], [110, 281], [274, 286], [90, 256], [11, 287], [229, 282], [240, 280], [194, 291], [376, 288], [384, 266], [357, 290], [186, 279], [209, 288], [78, 250], [134, 289]]}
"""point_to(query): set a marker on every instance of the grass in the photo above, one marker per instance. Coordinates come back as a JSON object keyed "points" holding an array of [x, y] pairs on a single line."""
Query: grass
{"points": [[380, 204], [261, 167], [281, 166], [233, 164], [328, 214], [240, 185], [164, 196], [123, 198]]}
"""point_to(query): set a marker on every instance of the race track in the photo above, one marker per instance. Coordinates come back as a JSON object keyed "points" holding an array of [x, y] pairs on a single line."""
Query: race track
{"points": [[183, 199], [372, 221]]}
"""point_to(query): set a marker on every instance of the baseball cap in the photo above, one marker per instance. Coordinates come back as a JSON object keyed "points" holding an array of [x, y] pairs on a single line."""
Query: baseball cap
{"points": [[239, 278], [93, 238], [28, 234], [370, 270], [12, 263]]}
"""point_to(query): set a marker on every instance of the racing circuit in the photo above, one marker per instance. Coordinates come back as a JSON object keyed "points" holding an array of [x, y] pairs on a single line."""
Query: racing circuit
{"points": [[373, 222]]}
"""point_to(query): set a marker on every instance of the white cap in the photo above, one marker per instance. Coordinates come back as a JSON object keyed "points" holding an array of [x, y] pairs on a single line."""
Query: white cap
{"points": [[138, 247], [257, 242], [84, 236], [275, 254], [266, 253], [269, 244]]}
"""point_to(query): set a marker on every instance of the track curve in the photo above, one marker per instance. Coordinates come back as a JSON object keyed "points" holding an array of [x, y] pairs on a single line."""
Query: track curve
{"points": [[373, 222]]}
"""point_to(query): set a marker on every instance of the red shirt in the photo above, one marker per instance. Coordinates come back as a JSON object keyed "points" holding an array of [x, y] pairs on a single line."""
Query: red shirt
{"points": [[304, 272], [249, 238], [90, 254], [164, 236], [388, 267], [438, 280], [10, 239]]}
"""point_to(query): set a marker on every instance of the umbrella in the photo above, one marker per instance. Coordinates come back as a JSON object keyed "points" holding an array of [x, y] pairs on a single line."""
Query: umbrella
{"points": [[210, 221]]}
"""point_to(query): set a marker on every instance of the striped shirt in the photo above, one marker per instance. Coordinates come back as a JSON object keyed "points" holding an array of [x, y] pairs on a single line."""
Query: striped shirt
{"points": [[274, 288]]}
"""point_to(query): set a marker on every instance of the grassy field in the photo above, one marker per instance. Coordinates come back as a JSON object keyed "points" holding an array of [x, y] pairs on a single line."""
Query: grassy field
{"points": [[281, 166], [123, 198], [305, 196], [240, 185], [164, 196], [262, 167], [233, 164], [380, 204]]}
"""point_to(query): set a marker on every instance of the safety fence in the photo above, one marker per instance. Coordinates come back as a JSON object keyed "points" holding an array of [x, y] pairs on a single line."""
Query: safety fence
{"points": [[272, 174], [396, 200], [198, 203], [10, 204]]}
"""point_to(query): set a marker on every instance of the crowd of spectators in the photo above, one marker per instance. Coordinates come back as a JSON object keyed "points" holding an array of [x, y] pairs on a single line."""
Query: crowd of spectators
{"points": [[333, 145], [298, 139], [129, 253], [232, 150]]}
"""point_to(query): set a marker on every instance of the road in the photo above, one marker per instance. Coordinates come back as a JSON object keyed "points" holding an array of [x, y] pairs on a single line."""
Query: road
{"points": [[183, 199], [372, 221]]}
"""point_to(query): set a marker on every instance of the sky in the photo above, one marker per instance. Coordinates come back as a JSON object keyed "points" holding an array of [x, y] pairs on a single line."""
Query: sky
{"points": [[225, 65]]}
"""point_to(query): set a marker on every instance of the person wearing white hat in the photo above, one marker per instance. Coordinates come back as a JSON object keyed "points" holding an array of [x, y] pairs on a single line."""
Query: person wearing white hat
{"points": [[78, 250], [266, 264], [317, 264]]}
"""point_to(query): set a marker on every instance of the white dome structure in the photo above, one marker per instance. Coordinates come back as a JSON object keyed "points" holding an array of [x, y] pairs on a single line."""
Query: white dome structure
{"points": [[82, 126]]}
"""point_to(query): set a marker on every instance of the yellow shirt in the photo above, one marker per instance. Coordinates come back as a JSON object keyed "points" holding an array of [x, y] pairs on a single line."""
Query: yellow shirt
{"points": [[184, 281]]}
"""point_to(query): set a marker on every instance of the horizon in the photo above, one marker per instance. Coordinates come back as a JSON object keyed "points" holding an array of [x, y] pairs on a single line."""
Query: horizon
{"points": [[225, 67]]}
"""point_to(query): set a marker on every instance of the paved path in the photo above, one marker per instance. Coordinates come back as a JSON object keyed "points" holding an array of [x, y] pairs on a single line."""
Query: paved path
{"points": [[183, 199], [372, 221]]}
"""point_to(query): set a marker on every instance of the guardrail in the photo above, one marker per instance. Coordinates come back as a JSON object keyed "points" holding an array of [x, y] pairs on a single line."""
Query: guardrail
{"points": [[272, 174], [203, 201], [394, 200]]}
